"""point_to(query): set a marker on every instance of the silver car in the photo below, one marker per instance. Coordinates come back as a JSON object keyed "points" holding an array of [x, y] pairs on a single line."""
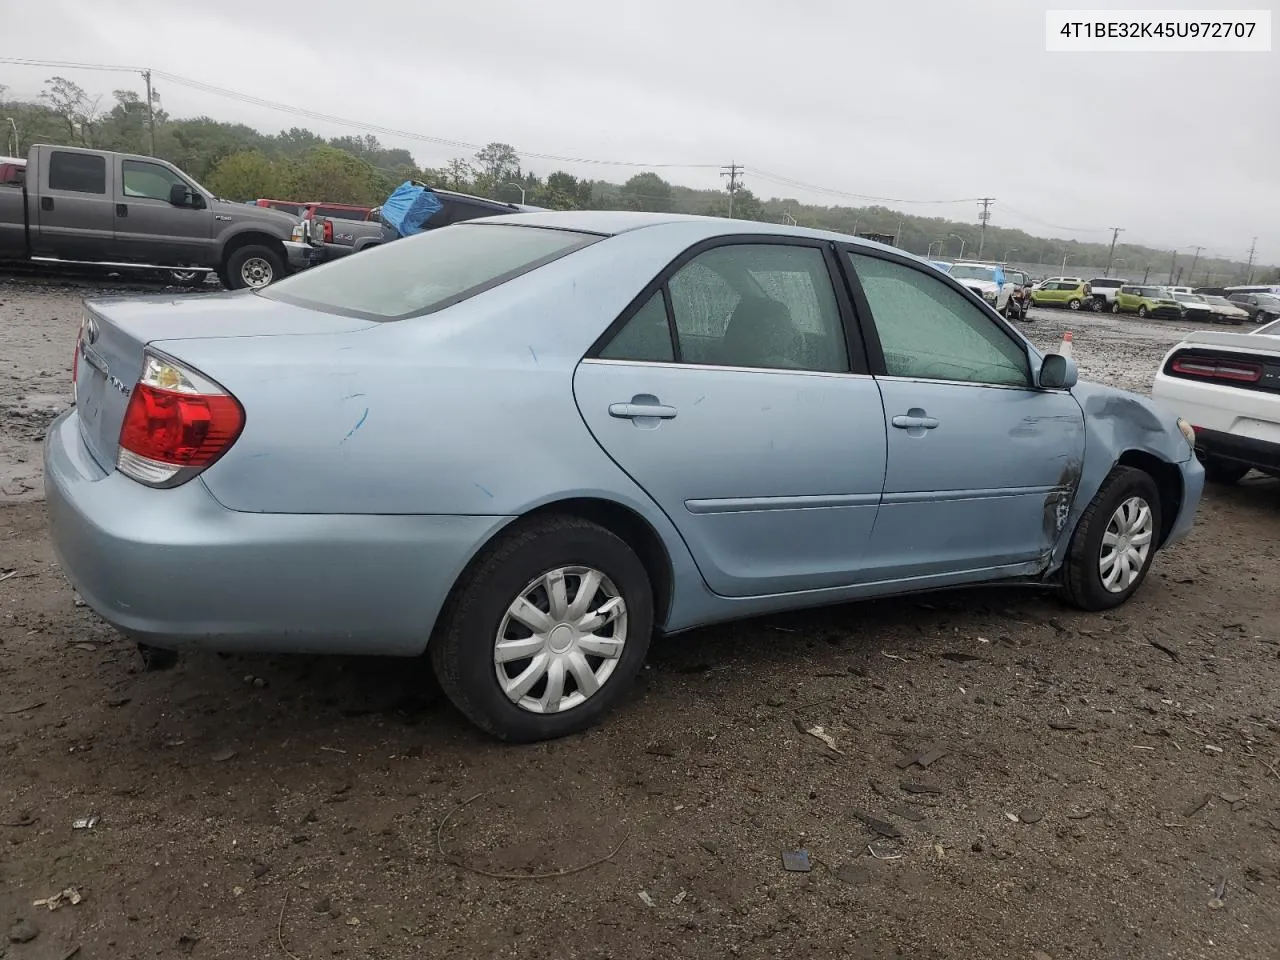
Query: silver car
{"points": [[522, 444]]}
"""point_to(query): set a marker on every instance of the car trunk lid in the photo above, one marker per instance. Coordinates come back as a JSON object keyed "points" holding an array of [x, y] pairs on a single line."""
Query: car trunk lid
{"points": [[115, 334]]}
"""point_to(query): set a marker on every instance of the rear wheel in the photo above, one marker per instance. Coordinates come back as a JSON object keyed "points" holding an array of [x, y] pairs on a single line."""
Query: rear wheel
{"points": [[1073, 303], [546, 632], [1114, 542], [253, 266], [1225, 472], [1142, 311]]}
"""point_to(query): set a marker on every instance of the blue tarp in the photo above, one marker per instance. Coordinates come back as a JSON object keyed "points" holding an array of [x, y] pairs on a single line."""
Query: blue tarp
{"points": [[409, 207]]}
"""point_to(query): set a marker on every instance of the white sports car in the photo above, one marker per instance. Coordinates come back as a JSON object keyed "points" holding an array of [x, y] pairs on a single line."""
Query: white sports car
{"points": [[1227, 385]]}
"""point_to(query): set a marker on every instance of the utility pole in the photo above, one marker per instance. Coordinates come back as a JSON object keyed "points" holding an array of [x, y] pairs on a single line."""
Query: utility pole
{"points": [[1252, 248], [1172, 264], [151, 113], [1146, 273], [1115, 232], [733, 171], [1191, 274], [897, 237], [983, 217]]}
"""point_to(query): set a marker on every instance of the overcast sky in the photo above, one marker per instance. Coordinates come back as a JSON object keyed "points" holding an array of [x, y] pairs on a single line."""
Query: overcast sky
{"points": [[916, 99]]}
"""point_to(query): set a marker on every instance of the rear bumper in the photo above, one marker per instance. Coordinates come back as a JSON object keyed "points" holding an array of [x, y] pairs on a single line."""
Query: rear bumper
{"points": [[177, 569], [1264, 454]]}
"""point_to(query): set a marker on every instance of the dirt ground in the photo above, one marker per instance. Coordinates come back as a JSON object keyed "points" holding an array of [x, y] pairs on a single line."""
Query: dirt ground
{"points": [[1105, 786]]}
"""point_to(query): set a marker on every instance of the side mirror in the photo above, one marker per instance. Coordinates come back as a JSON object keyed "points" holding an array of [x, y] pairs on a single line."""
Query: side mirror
{"points": [[197, 201], [1057, 373], [179, 195]]}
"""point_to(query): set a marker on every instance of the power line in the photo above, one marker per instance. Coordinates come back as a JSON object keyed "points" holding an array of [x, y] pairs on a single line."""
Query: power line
{"points": [[815, 188], [245, 98]]}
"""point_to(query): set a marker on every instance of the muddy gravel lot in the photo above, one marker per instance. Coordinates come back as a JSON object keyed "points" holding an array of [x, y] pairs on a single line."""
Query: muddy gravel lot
{"points": [[1004, 777]]}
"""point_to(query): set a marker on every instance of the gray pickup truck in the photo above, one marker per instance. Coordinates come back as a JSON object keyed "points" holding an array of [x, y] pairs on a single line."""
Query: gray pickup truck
{"points": [[96, 207], [338, 238]]}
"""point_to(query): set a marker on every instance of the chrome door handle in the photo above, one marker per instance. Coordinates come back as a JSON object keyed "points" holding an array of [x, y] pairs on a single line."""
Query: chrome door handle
{"points": [[906, 423], [632, 411]]}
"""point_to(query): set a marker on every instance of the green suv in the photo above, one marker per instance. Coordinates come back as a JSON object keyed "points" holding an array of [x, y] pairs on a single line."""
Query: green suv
{"points": [[1069, 292], [1147, 302]]}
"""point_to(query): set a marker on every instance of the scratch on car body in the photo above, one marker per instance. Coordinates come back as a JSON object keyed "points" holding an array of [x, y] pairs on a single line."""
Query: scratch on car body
{"points": [[359, 423], [533, 354], [485, 490], [352, 396]]}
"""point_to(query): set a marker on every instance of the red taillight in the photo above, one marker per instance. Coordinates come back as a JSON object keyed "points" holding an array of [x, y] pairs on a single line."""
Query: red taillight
{"points": [[328, 231], [176, 424], [1213, 369]]}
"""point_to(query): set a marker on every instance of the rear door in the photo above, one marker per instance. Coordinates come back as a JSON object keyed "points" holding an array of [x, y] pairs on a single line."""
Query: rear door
{"points": [[150, 229], [982, 466], [732, 394], [76, 221]]}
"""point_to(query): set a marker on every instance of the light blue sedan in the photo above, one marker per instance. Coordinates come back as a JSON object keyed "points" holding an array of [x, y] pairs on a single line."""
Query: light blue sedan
{"points": [[523, 444]]}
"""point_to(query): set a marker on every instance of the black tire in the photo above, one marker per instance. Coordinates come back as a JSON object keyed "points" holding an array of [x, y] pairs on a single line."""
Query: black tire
{"points": [[1142, 311], [155, 659], [1073, 303], [462, 648], [251, 259], [1115, 307], [1081, 576], [1225, 472]]}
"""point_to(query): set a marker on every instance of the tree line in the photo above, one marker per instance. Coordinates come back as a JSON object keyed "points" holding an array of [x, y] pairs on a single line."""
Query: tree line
{"points": [[237, 162]]}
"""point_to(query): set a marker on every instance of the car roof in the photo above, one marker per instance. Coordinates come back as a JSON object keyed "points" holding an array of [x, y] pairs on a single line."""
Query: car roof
{"points": [[613, 222]]}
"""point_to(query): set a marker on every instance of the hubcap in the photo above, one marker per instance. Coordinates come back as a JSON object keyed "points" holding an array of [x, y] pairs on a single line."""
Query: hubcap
{"points": [[256, 272], [1125, 545], [560, 639]]}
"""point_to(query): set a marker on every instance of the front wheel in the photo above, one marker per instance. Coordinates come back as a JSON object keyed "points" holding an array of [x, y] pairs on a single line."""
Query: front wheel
{"points": [[1073, 304], [1115, 307], [1114, 542], [546, 630], [253, 267]]}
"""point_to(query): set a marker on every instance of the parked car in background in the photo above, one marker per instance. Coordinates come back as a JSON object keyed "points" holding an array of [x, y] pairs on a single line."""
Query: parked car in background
{"points": [[1227, 385], [1261, 307], [1224, 311], [291, 207], [1194, 307], [79, 206], [1069, 292], [1147, 301], [340, 238], [1271, 288], [235, 498], [13, 171], [1103, 291], [1019, 301], [987, 280]]}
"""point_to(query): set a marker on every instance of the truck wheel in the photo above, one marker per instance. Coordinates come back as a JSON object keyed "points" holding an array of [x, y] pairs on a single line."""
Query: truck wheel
{"points": [[254, 267], [187, 278]]}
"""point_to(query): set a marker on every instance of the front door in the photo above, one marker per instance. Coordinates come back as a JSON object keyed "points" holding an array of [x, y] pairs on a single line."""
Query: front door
{"points": [[982, 466], [150, 229], [729, 395], [76, 221]]}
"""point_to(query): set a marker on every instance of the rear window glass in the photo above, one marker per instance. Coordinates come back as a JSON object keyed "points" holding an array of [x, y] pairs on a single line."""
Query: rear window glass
{"points": [[77, 172], [431, 271]]}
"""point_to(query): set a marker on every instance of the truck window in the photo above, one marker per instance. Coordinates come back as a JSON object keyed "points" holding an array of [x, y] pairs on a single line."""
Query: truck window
{"points": [[77, 172], [149, 181]]}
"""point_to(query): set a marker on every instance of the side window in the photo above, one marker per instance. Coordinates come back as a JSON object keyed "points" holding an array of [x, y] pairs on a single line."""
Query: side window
{"points": [[928, 330], [77, 172], [768, 306], [148, 181], [646, 336]]}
